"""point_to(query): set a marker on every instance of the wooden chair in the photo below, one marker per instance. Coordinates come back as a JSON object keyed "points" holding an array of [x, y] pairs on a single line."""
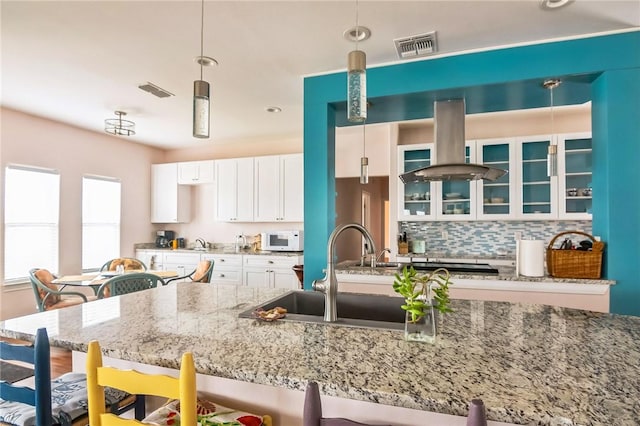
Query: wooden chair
{"points": [[202, 274], [47, 294], [312, 415], [129, 263], [128, 283], [134, 382], [61, 401]]}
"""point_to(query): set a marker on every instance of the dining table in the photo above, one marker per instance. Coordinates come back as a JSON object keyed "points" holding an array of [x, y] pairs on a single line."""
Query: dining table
{"points": [[95, 280]]}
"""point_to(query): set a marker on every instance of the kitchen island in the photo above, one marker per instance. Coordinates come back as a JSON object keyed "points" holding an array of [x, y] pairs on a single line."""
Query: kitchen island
{"points": [[531, 364]]}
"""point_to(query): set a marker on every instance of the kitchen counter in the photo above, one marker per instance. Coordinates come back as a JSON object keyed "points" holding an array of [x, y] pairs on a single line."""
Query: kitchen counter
{"points": [[226, 249], [505, 273], [531, 364]]}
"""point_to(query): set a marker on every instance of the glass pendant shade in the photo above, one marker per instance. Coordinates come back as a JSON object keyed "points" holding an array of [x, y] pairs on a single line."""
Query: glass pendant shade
{"points": [[552, 160], [364, 170], [357, 87], [200, 109]]}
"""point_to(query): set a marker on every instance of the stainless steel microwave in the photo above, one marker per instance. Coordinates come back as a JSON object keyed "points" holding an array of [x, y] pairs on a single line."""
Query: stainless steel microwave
{"points": [[282, 240]]}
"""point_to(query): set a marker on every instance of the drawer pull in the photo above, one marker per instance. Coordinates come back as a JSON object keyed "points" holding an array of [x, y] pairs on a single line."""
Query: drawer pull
{"points": [[221, 275]]}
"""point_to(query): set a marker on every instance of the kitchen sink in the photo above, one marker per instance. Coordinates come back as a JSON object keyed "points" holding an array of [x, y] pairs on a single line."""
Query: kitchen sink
{"points": [[384, 264], [354, 310]]}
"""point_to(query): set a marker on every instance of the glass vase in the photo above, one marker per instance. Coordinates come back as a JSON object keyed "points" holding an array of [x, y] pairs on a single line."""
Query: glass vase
{"points": [[424, 329]]}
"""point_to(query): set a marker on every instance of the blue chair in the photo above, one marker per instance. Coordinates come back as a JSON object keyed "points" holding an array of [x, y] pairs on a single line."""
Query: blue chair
{"points": [[38, 398], [61, 401], [128, 283]]}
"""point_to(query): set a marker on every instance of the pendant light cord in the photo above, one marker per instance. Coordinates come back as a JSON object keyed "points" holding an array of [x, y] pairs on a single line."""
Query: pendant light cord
{"points": [[201, 37], [364, 145], [357, 26], [552, 122]]}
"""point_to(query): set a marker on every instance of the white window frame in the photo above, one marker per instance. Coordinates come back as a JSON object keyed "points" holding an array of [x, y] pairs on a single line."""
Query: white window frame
{"points": [[31, 251], [113, 223]]}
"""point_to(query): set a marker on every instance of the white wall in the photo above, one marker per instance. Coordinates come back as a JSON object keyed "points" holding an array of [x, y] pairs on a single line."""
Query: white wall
{"points": [[74, 152]]}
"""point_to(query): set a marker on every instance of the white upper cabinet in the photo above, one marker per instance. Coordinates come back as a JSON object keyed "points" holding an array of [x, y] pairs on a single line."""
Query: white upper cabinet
{"points": [[575, 170], [279, 189], [538, 192], [196, 172], [416, 199], [497, 199], [234, 189], [170, 202], [349, 149]]}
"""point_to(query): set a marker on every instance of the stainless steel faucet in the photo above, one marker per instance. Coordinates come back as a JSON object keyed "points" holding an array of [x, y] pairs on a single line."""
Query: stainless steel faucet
{"points": [[201, 241], [329, 285], [382, 253]]}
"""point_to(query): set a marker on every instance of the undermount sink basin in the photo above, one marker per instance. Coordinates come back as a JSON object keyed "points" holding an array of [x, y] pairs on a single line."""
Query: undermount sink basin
{"points": [[385, 264], [354, 310]]}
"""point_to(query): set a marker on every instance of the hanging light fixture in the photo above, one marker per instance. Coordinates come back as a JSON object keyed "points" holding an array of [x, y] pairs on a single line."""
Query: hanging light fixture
{"points": [[357, 74], [118, 126], [364, 161], [201, 117], [552, 153]]}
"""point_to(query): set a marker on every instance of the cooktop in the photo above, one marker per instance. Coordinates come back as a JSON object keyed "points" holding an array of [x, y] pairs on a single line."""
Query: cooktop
{"points": [[455, 267]]}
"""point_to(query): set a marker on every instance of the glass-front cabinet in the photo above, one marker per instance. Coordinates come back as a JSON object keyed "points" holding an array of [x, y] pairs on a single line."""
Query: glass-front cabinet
{"points": [[497, 199], [456, 199], [416, 198], [538, 191], [526, 192], [575, 169]]}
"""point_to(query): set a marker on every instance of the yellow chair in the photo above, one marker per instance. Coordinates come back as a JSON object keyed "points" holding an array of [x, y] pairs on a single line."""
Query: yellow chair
{"points": [[134, 382], [182, 389]]}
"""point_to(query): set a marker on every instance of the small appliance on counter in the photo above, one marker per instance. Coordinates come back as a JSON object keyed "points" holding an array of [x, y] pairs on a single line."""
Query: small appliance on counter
{"points": [[282, 240], [163, 238]]}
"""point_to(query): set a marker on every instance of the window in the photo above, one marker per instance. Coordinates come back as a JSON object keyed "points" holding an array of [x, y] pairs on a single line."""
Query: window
{"points": [[100, 221], [31, 219]]}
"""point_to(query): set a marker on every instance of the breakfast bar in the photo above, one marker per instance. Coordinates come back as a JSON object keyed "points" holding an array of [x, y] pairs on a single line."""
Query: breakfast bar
{"points": [[531, 364]]}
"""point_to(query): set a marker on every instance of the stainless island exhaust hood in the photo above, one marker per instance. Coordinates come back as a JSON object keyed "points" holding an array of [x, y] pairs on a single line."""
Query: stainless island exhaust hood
{"points": [[450, 150]]}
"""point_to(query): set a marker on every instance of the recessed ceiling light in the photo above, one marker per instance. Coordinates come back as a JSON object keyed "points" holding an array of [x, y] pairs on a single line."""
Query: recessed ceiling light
{"points": [[273, 109], [554, 4], [205, 61], [358, 33]]}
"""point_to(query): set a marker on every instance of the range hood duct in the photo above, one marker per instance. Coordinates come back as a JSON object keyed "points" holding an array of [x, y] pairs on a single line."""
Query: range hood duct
{"points": [[449, 149]]}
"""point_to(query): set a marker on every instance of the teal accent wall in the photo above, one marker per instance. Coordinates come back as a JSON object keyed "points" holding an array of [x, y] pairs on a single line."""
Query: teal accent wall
{"points": [[606, 67], [616, 199]]}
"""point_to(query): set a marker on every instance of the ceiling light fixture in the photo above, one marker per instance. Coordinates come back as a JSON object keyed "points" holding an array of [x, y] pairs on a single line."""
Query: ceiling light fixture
{"points": [[554, 4], [357, 78], [118, 126], [274, 109], [201, 90], [552, 153]]}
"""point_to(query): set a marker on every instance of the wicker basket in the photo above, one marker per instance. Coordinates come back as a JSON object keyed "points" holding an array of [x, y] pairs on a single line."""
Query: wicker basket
{"points": [[563, 263]]}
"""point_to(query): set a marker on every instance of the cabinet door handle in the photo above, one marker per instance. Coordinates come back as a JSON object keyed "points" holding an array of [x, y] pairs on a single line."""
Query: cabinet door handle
{"points": [[221, 275], [221, 260], [270, 262]]}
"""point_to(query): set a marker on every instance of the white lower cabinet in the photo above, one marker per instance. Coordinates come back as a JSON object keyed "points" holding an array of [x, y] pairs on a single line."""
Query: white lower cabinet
{"points": [[271, 271], [153, 259], [227, 268], [182, 263]]}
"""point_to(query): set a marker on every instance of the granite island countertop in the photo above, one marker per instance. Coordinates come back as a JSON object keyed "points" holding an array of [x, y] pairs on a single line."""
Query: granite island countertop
{"points": [[531, 364]]}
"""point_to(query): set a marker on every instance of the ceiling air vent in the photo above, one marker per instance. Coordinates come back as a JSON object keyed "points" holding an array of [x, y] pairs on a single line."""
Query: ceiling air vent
{"points": [[155, 90], [417, 45]]}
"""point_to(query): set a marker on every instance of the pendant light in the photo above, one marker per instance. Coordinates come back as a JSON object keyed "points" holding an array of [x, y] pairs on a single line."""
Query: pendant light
{"points": [[357, 76], [118, 126], [364, 161], [201, 99], [552, 153]]}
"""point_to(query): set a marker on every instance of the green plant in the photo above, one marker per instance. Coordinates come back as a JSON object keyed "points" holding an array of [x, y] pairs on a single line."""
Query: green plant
{"points": [[421, 290]]}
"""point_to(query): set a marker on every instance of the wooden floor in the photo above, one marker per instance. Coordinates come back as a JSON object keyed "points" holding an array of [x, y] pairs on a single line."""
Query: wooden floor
{"points": [[60, 359]]}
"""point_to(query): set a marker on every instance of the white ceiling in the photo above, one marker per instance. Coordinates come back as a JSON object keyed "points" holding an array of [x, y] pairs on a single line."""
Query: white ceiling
{"points": [[79, 61]]}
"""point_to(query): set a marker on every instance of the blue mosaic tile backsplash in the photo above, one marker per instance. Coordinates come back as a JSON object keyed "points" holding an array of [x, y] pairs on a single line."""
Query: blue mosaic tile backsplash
{"points": [[486, 238]]}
